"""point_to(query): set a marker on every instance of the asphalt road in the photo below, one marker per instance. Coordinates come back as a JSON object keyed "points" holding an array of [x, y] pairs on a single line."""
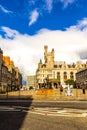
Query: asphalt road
{"points": [[21, 115], [29, 103], [29, 121]]}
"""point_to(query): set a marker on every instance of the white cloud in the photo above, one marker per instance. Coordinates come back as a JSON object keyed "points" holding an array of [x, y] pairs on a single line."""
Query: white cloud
{"points": [[26, 50], [49, 4], [67, 2], [9, 32], [5, 10], [81, 26], [33, 17]]}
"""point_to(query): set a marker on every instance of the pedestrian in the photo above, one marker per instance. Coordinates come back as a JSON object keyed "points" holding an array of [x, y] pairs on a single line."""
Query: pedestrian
{"points": [[69, 90], [83, 88], [64, 88], [61, 89]]}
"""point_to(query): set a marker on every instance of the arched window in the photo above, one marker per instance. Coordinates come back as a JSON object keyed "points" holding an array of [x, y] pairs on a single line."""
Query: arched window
{"points": [[71, 75], [65, 76], [58, 76]]}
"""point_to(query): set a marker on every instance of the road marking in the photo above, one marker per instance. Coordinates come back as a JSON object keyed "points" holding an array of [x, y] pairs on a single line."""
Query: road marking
{"points": [[47, 111], [7, 108], [60, 112]]}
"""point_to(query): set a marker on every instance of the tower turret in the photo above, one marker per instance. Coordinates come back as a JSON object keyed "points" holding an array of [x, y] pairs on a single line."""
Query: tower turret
{"points": [[40, 64], [45, 53], [49, 57]]}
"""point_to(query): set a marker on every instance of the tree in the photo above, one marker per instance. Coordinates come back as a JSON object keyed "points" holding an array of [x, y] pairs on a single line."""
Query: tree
{"points": [[69, 81], [31, 87]]}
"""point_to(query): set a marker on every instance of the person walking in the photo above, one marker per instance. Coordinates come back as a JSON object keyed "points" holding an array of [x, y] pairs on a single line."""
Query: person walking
{"points": [[61, 89], [64, 88], [69, 90], [83, 88]]}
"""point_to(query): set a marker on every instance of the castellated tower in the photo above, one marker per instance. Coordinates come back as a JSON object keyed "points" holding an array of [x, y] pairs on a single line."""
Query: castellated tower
{"points": [[48, 57]]}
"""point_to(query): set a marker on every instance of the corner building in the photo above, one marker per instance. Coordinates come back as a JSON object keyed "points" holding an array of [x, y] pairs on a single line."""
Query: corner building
{"points": [[81, 78], [10, 77], [55, 72]]}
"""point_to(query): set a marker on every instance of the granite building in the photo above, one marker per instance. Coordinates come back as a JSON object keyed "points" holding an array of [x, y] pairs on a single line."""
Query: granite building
{"points": [[10, 77], [81, 77], [31, 81], [55, 72]]}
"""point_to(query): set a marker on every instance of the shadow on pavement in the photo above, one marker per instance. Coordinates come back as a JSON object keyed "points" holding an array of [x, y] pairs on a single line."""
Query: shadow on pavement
{"points": [[13, 113]]}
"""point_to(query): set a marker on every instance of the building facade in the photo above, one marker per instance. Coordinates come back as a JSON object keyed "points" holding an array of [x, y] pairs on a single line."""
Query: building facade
{"points": [[1, 56], [31, 81], [55, 72], [81, 77], [10, 77]]}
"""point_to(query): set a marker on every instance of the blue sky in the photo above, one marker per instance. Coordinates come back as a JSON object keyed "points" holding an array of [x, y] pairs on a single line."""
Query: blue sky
{"points": [[29, 16], [27, 25]]}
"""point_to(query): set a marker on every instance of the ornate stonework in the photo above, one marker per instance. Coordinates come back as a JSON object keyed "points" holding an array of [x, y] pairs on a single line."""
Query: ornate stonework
{"points": [[56, 71]]}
